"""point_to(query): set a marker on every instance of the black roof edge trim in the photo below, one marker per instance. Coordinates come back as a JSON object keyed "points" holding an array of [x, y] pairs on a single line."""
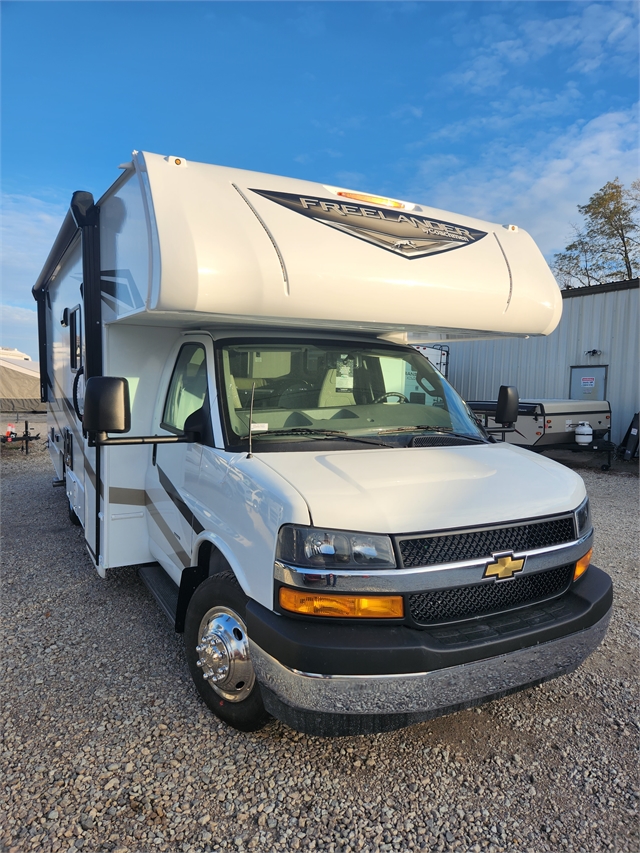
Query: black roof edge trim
{"points": [[623, 284], [68, 231]]}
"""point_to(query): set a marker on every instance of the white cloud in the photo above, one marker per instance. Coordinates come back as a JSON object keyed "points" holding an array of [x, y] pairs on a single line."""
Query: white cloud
{"points": [[601, 33], [484, 71], [19, 329], [29, 228], [520, 104], [407, 111], [598, 35], [537, 189]]}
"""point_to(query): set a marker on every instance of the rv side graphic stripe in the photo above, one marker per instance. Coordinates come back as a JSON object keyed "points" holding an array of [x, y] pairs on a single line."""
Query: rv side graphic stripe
{"points": [[140, 497], [269, 234], [407, 233], [506, 260], [168, 534], [183, 509], [133, 497]]}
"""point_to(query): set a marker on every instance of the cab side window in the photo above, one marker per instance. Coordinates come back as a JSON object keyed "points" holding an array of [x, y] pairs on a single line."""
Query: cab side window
{"points": [[187, 389]]}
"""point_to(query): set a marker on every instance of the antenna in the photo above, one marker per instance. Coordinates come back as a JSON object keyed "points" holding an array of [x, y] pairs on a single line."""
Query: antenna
{"points": [[253, 391]]}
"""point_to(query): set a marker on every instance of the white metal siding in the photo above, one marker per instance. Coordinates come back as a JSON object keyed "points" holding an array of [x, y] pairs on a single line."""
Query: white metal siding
{"points": [[540, 367]]}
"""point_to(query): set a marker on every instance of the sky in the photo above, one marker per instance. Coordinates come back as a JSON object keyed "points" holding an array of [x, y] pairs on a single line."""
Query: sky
{"points": [[514, 112]]}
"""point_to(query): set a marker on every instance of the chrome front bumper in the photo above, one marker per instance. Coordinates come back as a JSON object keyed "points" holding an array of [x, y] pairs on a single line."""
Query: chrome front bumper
{"points": [[426, 692]]}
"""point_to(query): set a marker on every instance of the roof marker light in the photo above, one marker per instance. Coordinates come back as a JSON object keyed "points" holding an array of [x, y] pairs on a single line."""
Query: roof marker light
{"points": [[368, 198]]}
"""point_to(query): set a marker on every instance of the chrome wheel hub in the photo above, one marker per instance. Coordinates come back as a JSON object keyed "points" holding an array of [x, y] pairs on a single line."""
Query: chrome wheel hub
{"points": [[223, 654]]}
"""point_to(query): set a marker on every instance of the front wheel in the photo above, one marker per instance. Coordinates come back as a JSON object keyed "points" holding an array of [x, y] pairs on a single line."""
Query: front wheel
{"points": [[217, 649]]}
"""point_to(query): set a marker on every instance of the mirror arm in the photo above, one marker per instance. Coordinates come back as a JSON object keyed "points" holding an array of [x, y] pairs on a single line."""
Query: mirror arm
{"points": [[101, 439], [502, 430]]}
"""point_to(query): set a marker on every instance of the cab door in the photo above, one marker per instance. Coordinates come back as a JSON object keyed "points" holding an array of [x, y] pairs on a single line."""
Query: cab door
{"points": [[174, 471]]}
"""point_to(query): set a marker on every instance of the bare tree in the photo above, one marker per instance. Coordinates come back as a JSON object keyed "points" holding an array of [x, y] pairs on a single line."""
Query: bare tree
{"points": [[580, 264], [607, 247]]}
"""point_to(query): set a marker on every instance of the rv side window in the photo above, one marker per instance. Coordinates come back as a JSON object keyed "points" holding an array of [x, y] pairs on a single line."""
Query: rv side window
{"points": [[75, 338], [188, 387]]}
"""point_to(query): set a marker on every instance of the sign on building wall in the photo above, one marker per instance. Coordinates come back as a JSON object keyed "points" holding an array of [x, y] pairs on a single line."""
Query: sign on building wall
{"points": [[588, 382]]}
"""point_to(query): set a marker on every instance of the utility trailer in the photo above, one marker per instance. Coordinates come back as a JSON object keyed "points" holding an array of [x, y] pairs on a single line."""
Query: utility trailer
{"points": [[438, 355], [551, 424], [235, 405]]}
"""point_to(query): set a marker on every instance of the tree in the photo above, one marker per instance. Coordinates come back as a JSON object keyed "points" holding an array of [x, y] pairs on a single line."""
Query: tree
{"points": [[607, 246]]}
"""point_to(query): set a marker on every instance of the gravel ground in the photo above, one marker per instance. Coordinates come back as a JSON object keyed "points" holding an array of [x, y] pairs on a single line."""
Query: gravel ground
{"points": [[107, 746]]}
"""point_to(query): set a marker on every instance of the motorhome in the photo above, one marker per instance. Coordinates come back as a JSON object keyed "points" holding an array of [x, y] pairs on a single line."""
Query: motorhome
{"points": [[236, 409]]}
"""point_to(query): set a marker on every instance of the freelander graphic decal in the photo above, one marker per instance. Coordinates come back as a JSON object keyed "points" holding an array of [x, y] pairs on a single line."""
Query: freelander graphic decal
{"points": [[406, 233]]}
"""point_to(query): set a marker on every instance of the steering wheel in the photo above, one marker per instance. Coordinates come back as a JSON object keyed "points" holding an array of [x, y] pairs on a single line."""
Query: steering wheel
{"points": [[397, 394]]}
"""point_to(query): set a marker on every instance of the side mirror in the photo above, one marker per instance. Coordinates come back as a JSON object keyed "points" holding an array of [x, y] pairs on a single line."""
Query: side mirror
{"points": [[194, 426], [106, 405], [507, 407]]}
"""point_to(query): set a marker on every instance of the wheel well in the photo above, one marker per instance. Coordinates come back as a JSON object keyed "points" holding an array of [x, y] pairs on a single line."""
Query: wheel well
{"points": [[210, 561]]}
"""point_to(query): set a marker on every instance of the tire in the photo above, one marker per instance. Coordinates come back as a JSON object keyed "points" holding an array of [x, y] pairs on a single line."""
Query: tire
{"points": [[216, 645]]}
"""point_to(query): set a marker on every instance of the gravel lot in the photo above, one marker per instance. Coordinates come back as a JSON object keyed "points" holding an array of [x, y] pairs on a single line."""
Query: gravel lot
{"points": [[108, 747]]}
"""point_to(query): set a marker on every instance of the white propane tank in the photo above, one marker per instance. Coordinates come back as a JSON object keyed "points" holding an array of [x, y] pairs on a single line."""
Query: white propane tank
{"points": [[584, 433]]}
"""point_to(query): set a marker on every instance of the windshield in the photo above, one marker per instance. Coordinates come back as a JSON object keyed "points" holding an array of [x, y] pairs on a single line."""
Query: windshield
{"points": [[303, 391]]}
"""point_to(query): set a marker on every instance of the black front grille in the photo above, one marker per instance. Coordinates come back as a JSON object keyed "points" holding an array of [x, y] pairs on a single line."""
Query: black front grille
{"points": [[466, 602], [481, 544]]}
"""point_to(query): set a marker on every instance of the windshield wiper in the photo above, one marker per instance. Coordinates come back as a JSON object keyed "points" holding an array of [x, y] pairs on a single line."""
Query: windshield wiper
{"points": [[437, 429], [319, 433]]}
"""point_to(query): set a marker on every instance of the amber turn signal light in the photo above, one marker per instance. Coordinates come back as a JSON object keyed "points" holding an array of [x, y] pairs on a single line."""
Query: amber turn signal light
{"points": [[342, 606], [582, 565]]}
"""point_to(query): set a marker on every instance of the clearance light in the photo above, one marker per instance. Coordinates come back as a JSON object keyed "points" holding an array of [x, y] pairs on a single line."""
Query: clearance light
{"points": [[368, 198], [582, 565], [375, 199], [342, 606]]}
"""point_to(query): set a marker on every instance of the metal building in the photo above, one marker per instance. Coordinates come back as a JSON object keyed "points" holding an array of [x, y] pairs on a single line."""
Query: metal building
{"points": [[593, 354]]}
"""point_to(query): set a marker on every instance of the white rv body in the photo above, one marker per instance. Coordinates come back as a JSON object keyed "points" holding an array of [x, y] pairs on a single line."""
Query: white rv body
{"points": [[221, 263]]}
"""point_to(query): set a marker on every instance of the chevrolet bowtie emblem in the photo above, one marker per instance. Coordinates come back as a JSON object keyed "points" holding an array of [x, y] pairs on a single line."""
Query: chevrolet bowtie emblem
{"points": [[504, 567]]}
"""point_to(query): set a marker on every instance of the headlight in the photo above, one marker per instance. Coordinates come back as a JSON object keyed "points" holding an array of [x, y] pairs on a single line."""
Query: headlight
{"points": [[314, 547], [583, 518]]}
